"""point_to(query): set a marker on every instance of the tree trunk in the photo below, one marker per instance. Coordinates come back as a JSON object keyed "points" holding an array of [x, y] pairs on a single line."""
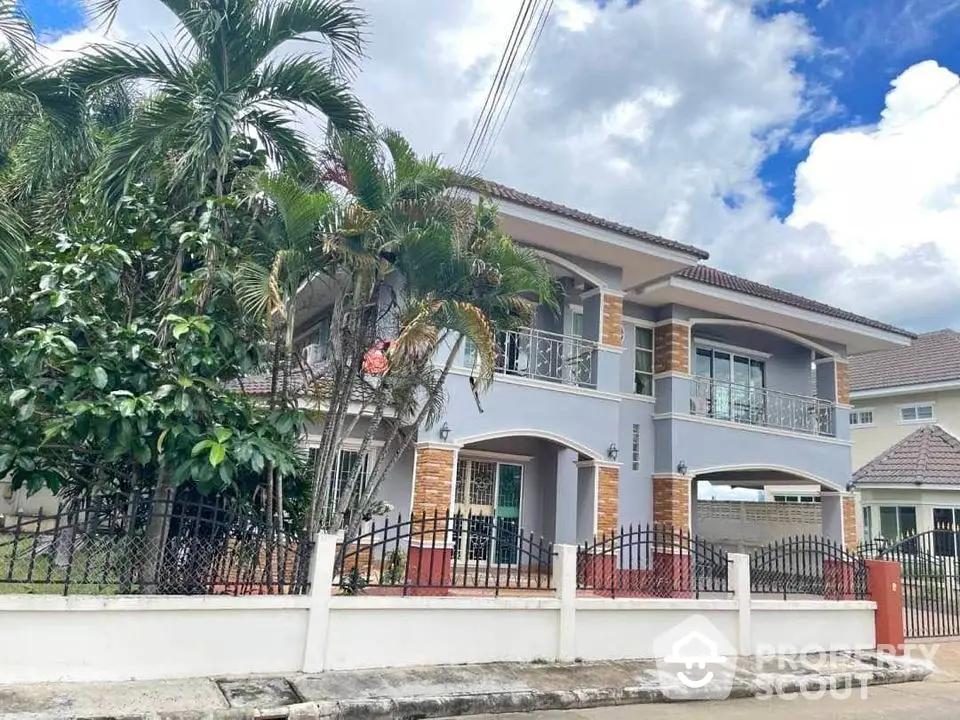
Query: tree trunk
{"points": [[156, 536]]}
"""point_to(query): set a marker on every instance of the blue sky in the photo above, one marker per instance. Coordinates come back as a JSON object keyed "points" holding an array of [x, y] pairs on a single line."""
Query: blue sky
{"points": [[697, 120]]}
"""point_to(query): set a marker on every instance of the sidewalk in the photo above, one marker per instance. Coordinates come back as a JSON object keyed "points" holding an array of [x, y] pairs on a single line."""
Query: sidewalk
{"points": [[427, 692]]}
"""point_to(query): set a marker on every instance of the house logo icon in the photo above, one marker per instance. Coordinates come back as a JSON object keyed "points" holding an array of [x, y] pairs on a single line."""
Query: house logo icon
{"points": [[695, 661]]}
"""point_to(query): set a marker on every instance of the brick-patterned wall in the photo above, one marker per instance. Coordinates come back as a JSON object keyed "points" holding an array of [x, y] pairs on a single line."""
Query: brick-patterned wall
{"points": [[671, 501], [432, 480], [849, 506], [612, 320], [608, 500], [671, 343], [843, 383]]}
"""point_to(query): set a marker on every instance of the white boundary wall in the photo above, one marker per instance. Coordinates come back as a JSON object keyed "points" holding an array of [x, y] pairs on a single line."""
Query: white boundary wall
{"points": [[49, 639]]}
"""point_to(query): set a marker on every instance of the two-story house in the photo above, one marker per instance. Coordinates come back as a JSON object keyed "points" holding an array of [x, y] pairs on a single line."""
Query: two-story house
{"points": [[657, 373], [906, 409]]}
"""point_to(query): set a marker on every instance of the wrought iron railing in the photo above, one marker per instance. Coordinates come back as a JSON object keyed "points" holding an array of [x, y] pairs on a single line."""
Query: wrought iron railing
{"points": [[542, 355], [652, 561], [808, 565], [724, 400], [140, 546], [432, 554]]}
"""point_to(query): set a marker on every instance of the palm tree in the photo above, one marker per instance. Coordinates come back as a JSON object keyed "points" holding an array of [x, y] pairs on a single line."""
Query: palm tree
{"points": [[405, 231], [225, 80]]}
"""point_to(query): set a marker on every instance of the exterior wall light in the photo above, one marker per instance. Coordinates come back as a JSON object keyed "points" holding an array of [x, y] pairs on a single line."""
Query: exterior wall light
{"points": [[612, 451], [444, 432], [682, 467]]}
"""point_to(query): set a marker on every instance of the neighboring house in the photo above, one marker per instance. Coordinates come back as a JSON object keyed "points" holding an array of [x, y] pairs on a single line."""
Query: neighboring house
{"points": [[906, 408], [657, 373]]}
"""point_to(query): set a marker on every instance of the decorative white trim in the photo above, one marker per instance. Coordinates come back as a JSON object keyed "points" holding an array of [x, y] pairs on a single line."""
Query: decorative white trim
{"points": [[428, 444], [469, 454], [639, 321], [798, 339], [905, 389], [586, 463], [749, 428], [905, 486], [570, 265], [528, 432], [558, 222], [673, 321], [783, 309], [692, 472], [618, 349], [313, 441], [641, 398], [673, 374], [544, 384], [736, 349]]}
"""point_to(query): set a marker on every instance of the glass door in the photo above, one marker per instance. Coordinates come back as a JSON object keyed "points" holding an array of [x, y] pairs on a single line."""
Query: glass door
{"points": [[509, 479]]}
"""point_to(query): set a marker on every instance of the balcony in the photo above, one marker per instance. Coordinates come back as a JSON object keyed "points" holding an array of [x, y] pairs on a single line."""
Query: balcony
{"points": [[762, 407], [552, 357]]}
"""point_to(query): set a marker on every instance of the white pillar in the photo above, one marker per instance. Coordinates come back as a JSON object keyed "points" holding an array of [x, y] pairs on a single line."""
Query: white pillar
{"points": [[831, 516], [740, 581], [565, 579], [318, 614]]}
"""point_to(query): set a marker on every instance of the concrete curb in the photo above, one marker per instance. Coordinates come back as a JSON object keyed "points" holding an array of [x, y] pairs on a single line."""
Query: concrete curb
{"points": [[405, 708]]}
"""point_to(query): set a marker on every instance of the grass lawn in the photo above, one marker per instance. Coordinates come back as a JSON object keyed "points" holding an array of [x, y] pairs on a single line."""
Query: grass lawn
{"points": [[17, 577]]}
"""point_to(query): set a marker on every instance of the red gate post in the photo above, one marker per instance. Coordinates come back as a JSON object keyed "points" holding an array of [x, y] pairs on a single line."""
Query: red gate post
{"points": [[885, 588]]}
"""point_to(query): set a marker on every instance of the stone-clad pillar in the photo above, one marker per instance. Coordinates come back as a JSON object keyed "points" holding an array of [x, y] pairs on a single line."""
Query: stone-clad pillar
{"points": [[608, 499], [433, 478], [671, 501], [611, 333], [671, 347]]}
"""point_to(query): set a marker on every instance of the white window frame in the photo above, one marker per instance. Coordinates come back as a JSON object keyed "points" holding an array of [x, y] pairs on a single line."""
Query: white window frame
{"points": [[917, 421], [856, 413], [653, 358]]}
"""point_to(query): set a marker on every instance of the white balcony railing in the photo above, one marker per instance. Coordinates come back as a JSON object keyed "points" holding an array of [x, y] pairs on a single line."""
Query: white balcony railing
{"points": [[543, 355], [724, 400]]}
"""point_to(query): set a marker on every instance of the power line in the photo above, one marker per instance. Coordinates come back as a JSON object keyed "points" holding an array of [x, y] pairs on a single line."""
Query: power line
{"points": [[492, 101], [524, 64]]}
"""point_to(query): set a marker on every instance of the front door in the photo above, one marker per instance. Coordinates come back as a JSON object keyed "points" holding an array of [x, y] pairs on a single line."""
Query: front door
{"points": [[487, 503]]}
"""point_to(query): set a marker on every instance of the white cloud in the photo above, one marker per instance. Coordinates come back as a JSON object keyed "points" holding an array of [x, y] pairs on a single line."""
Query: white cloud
{"points": [[883, 190], [653, 113]]}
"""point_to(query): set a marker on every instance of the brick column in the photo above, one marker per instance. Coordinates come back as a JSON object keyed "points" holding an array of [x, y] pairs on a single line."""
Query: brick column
{"points": [[671, 501], [432, 480], [608, 499], [843, 382], [671, 348], [612, 320], [849, 509], [884, 586]]}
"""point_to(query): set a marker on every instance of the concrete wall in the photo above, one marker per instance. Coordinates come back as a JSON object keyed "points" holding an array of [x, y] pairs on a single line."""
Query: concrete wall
{"points": [[140, 638], [887, 429], [18, 502], [745, 526]]}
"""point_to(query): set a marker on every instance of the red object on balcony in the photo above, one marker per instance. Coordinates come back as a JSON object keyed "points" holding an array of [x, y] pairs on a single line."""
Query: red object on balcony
{"points": [[375, 360]]}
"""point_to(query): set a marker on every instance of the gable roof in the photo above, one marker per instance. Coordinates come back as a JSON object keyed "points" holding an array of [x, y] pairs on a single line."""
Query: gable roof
{"points": [[933, 357], [718, 278], [509, 194], [928, 456]]}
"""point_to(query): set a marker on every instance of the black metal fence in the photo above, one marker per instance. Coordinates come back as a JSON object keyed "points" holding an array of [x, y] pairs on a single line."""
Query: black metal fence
{"points": [[433, 554], [930, 578], [808, 566], [652, 561], [139, 546]]}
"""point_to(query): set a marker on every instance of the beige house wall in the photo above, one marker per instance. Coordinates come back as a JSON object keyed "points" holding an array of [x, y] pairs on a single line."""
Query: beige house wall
{"points": [[887, 429]]}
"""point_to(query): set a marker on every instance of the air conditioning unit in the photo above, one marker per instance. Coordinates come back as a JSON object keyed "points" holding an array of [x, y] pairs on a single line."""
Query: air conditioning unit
{"points": [[314, 354]]}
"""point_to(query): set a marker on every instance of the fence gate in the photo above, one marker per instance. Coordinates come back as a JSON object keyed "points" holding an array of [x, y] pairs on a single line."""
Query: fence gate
{"points": [[930, 567]]}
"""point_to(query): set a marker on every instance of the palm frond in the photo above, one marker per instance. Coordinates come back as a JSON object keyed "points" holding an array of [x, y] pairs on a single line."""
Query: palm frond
{"points": [[309, 83], [16, 30], [252, 288], [102, 65], [338, 24]]}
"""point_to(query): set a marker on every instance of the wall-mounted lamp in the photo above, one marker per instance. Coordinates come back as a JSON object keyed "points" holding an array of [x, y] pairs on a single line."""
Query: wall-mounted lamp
{"points": [[444, 432], [612, 451], [682, 467]]}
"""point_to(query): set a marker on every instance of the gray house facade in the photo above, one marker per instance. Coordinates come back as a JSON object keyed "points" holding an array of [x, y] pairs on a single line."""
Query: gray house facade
{"points": [[658, 373]]}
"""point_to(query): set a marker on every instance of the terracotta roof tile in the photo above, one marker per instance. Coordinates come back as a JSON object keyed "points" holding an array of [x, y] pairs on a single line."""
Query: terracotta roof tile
{"points": [[932, 357], [521, 198], [718, 278], [928, 456]]}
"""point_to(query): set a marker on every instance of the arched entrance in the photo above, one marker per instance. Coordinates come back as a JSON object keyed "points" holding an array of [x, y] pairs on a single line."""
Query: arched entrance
{"points": [[534, 484], [748, 507]]}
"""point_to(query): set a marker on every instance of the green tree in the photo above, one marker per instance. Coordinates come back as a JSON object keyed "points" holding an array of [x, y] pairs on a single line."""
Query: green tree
{"points": [[413, 264], [226, 79]]}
